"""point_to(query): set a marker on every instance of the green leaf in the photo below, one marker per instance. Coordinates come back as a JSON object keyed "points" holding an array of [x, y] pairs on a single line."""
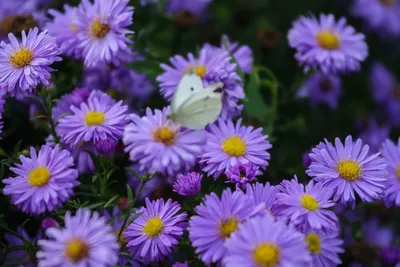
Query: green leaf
{"points": [[255, 106], [129, 193], [95, 205], [134, 217], [134, 173], [110, 201]]}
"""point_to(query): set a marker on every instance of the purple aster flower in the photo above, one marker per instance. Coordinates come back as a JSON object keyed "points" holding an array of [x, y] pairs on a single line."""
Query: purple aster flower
{"points": [[82, 158], [213, 65], [242, 54], [64, 29], [106, 147], [381, 16], [306, 159], [228, 144], [391, 154], [241, 174], [391, 255], [216, 220], [327, 45], [181, 264], [96, 78], [152, 185], [194, 7], [264, 194], [322, 88], [25, 65], [373, 134], [43, 182], [349, 168], [49, 222], [85, 240], [130, 86], [153, 235], [262, 241], [159, 145], [189, 184], [99, 118], [324, 248], [377, 235], [75, 98], [307, 207], [102, 31]]}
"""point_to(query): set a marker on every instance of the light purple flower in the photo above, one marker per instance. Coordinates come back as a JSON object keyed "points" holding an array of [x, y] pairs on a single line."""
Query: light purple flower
{"points": [[43, 182], [159, 145], [373, 134], [155, 233], [327, 45], [324, 248], [241, 174], [49, 222], [347, 169], [262, 241], [391, 154], [377, 235], [181, 264], [85, 240], [99, 118], [195, 7], [106, 147], [26, 64], [381, 16], [189, 184], [228, 144], [213, 65], [264, 194], [307, 207], [63, 28], [216, 220], [322, 88], [75, 98]]}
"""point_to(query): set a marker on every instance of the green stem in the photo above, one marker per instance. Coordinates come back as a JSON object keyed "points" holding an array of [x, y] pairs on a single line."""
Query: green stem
{"points": [[48, 107]]}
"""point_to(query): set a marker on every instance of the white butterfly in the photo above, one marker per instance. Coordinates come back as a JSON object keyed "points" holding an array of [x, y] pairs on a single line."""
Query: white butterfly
{"points": [[194, 106]]}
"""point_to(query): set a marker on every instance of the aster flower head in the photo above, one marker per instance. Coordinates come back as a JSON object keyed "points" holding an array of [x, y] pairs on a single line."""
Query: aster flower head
{"points": [[242, 54], [324, 248], [349, 168], [241, 174], [85, 240], [381, 16], [377, 235], [106, 147], [44, 180], [155, 233], [193, 7], [228, 144], [322, 88], [391, 154], [99, 118], [216, 220], [373, 134], [326, 45], [159, 145], [102, 31], [262, 241], [189, 184], [49, 222], [264, 194], [75, 98], [26, 64], [63, 28], [213, 65], [307, 207]]}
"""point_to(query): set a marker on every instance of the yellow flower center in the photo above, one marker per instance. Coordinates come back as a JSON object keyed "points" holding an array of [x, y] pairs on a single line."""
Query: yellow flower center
{"points": [[76, 250], [234, 146], [73, 27], [21, 58], [328, 40], [153, 227], [349, 170], [227, 227], [94, 118], [314, 243], [266, 255], [121, 237], [99, 30], [398, 173], [39, 176], [164, 135], [200, 70], [309, 202], [17, 24]]}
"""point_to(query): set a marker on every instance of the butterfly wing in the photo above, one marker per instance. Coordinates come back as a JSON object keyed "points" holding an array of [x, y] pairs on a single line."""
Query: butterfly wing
{"points": [[189, 85]]}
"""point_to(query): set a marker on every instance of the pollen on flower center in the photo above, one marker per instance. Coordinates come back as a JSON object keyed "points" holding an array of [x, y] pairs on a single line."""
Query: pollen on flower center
{"points": [[94, 118], [39, 176], [349, 170], [328, 40], [309, 202], [153, 227], [21, 58], [76, 250], [234, 146], [314, 243], [398, 173], [226, 228], [266, 255], [200, 70], [164, 135], [99, 30]]}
